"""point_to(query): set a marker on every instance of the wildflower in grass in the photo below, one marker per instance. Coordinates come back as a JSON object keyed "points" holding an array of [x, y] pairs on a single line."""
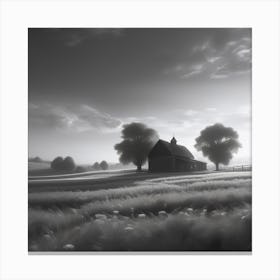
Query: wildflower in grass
{"points": [[128, 228], [69, 247], [214, 213], [162, 214], [116, 212], [142, 216], [47, 237], [203, 212]]}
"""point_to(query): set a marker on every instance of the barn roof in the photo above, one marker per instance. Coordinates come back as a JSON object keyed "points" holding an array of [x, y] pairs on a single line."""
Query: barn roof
{"points": [[176, 150]]}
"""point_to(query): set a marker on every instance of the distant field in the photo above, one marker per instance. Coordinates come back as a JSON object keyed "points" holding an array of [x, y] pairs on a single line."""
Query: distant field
{"points": [[38, 165], [42, 169], [195, 212]]}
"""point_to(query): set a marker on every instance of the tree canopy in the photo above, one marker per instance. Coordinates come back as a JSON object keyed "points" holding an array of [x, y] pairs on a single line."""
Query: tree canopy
{"points": [[61, 164], [96, 166], [57, 163], [218, 143], [137, 142], [69, 164], [104, 165]]}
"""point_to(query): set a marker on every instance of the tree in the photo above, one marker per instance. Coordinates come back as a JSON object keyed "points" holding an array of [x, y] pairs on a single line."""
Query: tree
{"points": [[69, 164], [96, 166], [61, 164], [218, 143], [37, 159], [104, 165], [137, 142], [57, 163]]}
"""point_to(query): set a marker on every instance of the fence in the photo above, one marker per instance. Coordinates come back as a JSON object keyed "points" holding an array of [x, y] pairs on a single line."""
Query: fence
{"points": [[237, 168]]}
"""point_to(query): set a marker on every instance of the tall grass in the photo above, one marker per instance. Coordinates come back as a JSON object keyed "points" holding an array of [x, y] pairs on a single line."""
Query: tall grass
{"points": [[202, 212], [175, 233], [75, 199], [170, 201], [131, 206]]}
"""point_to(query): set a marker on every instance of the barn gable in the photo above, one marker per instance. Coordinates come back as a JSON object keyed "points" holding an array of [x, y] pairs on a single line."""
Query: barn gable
{"points": [[162, 148]]}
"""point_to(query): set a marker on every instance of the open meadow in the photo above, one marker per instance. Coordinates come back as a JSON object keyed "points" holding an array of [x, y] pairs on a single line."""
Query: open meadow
{"points": [[203, 211]]}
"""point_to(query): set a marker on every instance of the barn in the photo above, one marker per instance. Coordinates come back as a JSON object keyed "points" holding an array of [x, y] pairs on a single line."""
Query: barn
{"points": [[170, 157]]}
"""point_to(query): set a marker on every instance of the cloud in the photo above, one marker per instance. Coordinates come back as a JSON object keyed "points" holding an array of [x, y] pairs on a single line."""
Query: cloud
{"points": [[108, 31], [216, 61], [191, 112], [194, 70], [74, 37], [201, 47], [188, 124], [236, 59], [175, 69], [213, 59], [77, 118], [211, 109]]}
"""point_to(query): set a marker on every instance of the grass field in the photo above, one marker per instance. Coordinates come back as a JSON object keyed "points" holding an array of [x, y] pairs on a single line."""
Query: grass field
{"points": [[196, 212]]}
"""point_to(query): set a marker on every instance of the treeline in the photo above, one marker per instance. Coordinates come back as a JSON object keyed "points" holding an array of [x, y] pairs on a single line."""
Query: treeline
{"points": [[103, 165], [68, 164], [37, 159], [63, 164]]}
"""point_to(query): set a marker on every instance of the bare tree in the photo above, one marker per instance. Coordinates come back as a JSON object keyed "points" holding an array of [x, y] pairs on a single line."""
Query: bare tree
{"points": [[218, 143]]}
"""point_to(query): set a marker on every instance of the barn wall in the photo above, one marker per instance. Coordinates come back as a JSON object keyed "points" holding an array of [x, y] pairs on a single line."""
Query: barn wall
{"points": [[168, 163], [159, 150], [161, 164], [182, 165], [198, 166]]}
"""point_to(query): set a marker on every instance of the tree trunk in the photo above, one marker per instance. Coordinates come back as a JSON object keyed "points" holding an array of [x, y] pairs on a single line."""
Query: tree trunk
{"points": [[217, 166], [139, 167]]}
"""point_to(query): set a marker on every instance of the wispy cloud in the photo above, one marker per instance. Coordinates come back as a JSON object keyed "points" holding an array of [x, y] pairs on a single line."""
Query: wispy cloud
{"points": [[211, 109], [74, 37], [193, 120], [190, 113], [194, 70], [78, 118], [229, 59]]}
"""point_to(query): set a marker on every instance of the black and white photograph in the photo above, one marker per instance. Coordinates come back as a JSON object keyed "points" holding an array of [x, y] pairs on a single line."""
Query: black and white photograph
{"points": [[139, 139]]}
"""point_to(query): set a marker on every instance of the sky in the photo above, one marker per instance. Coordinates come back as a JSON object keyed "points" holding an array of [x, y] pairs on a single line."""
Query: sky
{"points": [[85, 84]]}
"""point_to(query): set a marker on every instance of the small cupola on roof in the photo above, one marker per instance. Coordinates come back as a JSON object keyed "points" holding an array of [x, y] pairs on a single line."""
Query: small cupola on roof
{"points": [[173, 141]]}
